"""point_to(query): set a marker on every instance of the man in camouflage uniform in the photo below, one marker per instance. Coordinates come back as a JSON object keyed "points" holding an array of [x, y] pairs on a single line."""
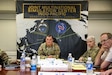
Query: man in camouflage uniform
{"points": [[4, 59], [49, 49], [93, 50]]}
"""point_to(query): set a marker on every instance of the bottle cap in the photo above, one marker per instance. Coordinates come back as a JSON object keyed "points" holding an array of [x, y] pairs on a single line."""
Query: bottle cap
{"points": [[70, 54], [33, 57], [89, 58]]}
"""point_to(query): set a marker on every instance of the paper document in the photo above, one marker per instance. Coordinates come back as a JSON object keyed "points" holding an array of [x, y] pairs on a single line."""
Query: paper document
{"points": [[78, 67]]}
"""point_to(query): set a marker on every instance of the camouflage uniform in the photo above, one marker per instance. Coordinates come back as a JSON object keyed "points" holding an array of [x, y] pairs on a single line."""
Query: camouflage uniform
{"points": [[91, 52], [45, 51], [4, 57]]}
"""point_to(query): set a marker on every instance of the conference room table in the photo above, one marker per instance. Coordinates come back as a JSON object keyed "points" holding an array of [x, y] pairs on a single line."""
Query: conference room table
{"points": [[19, 72]]}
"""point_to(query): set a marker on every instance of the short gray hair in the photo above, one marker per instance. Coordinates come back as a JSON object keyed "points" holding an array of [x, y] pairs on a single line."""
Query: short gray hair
{"points": [[91, 37]]}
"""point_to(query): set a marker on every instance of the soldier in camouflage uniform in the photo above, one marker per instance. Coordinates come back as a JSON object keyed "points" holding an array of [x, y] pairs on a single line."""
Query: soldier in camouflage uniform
{"points": [[49, 49], [4, 57], [93, 50]]}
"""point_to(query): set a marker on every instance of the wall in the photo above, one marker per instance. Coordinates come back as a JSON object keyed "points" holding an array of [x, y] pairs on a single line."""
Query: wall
{"points": [[8, 37], [100, 20], [100, 17], [96, 27]]}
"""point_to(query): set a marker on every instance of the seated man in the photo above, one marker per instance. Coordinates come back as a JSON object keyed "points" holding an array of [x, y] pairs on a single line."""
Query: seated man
{"points": [[4, 59], [104, 56], [92, 51], [49, 49]]}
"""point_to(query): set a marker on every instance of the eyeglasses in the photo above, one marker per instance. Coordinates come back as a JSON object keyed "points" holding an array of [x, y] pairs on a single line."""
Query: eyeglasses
{"points": [[104, 41]]}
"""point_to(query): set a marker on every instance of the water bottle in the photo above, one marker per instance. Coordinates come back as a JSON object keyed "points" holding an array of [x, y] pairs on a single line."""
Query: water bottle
{"points": [[22, 62], [69, 57], [89, 66], [33, 63]]}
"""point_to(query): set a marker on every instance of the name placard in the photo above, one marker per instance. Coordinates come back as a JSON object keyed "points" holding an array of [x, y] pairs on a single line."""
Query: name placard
{"points": [[61, 73]]}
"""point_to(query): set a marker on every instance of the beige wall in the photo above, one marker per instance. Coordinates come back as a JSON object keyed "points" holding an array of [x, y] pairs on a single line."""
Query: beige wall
{"points": [[96, 27], [100, 20], [8, 37]]}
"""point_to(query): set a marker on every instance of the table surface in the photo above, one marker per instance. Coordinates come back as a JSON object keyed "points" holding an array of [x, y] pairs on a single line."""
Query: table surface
{"points": [[19, 72]]}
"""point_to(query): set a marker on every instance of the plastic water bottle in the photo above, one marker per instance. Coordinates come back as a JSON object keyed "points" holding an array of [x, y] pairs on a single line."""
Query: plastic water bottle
{"points": [[89, 66], [33, 63], [22, 62], [70, 57]]}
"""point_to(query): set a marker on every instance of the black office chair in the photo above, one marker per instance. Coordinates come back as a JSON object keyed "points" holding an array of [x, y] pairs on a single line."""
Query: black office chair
{"points": [[1, 62]]}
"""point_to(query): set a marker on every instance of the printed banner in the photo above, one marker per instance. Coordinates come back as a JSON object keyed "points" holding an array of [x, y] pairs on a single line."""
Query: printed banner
{"points": [[51, 11], [67, 21]]}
